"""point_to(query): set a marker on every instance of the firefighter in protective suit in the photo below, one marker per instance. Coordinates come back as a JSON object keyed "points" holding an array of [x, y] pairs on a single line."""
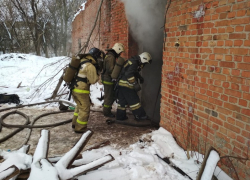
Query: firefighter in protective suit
{"points": [[87, 75], [128, 87], [108, 66]]}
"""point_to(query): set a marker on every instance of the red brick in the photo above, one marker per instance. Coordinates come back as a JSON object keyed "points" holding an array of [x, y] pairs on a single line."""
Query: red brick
{"points": [[239, 28], [232, 127], [220, 37], [231, 14], [215, 16], [223, 9], [245, 20], [246, 74], [226, 71], [241, 139], [246, 96], [238, 58], [229, 29], [226, 84], [243, 102], [227, 64], [235, 72], [238, 42], [239, 51], [232, 107], [219, 76], [219, 56], [220, 43], [246, 112], [201, 96], [237, 36], [224, 97], [245, 88], [247, 28], [220, 51], [248, 127], [224, 111], [233, 93], [228, 58], [246, 58], [223, 15], [247, 43], [231, 134], [222, 23], [241, 13], [244, 66], [245, 134], [235, 87], [215, 101]]}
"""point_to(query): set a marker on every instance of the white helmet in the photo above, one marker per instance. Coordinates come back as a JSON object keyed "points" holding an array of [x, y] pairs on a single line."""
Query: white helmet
{"points": [[145, 57], [118, 48]]}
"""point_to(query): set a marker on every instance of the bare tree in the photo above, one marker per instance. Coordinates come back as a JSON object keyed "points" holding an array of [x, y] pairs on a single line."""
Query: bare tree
{"points": [[40, 26]]}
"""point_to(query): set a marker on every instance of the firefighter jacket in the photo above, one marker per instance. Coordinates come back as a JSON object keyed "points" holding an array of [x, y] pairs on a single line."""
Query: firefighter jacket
{"points": [[130, 73], [87, 75], [108, 66]]}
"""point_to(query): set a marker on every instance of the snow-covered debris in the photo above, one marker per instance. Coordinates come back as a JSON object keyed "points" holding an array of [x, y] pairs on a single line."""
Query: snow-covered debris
{"points": [[9, 172], [18, 158], [211, 163]]}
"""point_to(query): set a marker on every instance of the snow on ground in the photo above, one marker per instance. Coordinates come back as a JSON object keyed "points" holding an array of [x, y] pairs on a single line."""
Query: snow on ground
{"points": [[138, 162]]}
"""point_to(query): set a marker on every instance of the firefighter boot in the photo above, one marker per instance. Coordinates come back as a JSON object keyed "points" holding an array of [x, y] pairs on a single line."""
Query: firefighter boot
{"points": [[79, 128], [74, 121], [107, 112]]}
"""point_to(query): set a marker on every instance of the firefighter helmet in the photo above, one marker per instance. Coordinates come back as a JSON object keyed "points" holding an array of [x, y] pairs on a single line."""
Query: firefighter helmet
{"points": [[96, 53], [118, 48], [145, 58]]}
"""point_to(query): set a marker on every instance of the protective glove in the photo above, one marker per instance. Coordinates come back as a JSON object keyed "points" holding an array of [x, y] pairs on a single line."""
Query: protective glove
{"points": [[80, 56], [141, 79], [137, 87]]}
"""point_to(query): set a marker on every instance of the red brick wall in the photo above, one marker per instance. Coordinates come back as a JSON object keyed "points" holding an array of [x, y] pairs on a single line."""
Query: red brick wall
{"points": [[206, 80], [113, 27]]}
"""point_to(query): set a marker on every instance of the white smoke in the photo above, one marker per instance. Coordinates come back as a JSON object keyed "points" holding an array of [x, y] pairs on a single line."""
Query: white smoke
{"points": [[146, 22]]}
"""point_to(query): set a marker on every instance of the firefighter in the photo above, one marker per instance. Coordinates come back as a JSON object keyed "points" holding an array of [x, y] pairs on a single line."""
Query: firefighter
{"points": [[108, 66], [87, 75], [128, 86]]}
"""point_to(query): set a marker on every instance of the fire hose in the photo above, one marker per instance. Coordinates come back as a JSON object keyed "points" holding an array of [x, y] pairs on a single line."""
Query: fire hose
{"points": [[27, 124]]}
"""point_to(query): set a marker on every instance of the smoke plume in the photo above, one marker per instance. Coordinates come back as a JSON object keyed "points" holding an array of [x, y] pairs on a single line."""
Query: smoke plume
{"points": [[146, 23]]}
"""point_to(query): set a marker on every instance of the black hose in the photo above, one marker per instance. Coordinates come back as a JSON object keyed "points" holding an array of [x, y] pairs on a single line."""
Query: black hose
{"points": [[17, 130], [31, 126], [26, 125]]}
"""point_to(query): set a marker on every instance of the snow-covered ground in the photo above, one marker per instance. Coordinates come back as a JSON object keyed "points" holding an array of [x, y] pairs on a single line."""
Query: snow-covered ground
{"points": [[137, 162]]}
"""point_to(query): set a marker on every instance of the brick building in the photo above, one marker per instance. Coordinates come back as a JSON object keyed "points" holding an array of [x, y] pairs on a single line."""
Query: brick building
{"points": [[205, 81]]}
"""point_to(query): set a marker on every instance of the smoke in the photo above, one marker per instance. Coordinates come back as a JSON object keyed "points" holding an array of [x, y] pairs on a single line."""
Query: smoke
{"points": [[146, 22]]}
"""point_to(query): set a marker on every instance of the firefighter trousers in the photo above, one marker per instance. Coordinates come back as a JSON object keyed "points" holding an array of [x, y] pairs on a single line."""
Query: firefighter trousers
{"points": [[109, 97], [127, 96], [82, 110]]}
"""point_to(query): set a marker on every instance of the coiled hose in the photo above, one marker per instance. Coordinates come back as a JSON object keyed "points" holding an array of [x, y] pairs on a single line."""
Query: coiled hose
{"points": [[27, 124]]}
